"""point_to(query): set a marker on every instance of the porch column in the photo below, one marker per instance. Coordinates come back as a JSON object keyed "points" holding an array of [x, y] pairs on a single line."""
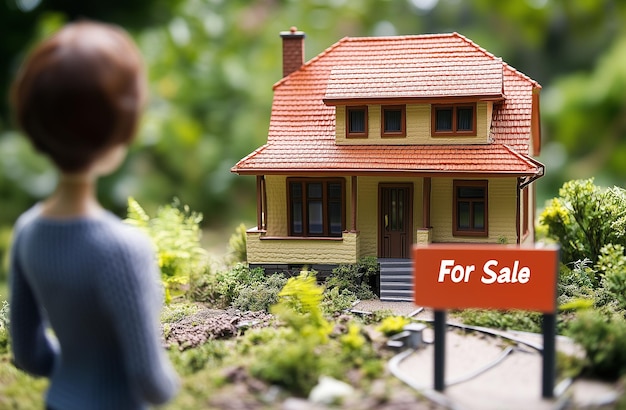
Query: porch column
{"points": [[353, 203], [261, 202], [426, 203]]}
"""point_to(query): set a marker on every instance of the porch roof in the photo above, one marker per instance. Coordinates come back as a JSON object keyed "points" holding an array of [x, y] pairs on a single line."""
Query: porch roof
{"points": [[315, 157]]}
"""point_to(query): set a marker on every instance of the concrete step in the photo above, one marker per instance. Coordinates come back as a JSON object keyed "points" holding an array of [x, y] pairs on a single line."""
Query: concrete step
{"points": [[396, 278], [396, 285], [396, 295]]}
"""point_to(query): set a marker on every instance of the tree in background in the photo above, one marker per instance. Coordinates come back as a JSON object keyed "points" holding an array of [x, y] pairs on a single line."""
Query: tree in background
{"points": [[212, 64]]}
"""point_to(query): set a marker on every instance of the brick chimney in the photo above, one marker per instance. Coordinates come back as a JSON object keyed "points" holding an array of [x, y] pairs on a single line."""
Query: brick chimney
{"points": [[293, 50]]}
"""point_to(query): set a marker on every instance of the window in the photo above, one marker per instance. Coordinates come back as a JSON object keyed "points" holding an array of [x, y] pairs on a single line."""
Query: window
{"points": [[393, 123], [316, 207], [470, 208], [454, 119], [356, 122]]}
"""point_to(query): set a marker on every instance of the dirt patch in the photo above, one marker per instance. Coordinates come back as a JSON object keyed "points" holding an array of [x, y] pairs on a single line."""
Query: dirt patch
{"points": [[208, 324]]}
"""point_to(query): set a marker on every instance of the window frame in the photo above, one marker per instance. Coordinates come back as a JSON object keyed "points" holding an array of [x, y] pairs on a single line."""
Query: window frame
{"points": [[350, 134], [326, 200], [474, 232], [393, 134], [454, 131]]}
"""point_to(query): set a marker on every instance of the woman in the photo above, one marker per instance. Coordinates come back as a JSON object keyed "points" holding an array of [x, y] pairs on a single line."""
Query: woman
{"points": [[75, 267]]}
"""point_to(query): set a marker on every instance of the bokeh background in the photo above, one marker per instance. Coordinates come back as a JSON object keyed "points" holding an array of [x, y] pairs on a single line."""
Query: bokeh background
{"points": [[212, 64]]}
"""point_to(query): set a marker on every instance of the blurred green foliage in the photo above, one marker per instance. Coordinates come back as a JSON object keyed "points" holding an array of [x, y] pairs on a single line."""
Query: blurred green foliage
{"points": [[212, 64]]}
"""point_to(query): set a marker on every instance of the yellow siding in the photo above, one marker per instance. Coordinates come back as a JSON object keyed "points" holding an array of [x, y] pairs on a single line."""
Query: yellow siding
{"points": [[418, 127], [302, 251], [276, 219], [502, 205]]}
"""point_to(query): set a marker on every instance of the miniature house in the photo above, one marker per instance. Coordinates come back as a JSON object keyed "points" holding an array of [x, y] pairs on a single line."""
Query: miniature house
{"points": [[381, 143]]}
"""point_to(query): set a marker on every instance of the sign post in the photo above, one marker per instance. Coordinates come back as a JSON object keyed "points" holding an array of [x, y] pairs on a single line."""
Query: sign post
{"points": [[488, 277]]}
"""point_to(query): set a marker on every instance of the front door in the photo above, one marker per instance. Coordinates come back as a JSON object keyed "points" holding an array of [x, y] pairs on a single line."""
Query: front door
{"points": [[395, 220]]}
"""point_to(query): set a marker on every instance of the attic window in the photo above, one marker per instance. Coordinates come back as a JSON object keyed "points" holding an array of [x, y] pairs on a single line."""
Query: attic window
{"points": [[356, 122], [393, 122], [450, 120]]}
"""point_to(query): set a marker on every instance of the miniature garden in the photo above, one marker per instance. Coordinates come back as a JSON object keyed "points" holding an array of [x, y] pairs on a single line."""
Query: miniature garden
{"points": [[242, 339]]}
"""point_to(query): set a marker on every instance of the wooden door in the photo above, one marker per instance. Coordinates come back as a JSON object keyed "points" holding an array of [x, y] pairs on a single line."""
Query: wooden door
{"points": [[395, 220]]}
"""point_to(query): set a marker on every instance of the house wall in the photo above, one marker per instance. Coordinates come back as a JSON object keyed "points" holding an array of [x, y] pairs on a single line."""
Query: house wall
{"points": [[264, 250], [418, 127], [274, 246], [502, 211]]}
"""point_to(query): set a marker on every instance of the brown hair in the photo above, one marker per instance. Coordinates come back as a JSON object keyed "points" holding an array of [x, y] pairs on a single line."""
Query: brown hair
{"points": [[79, 93]]}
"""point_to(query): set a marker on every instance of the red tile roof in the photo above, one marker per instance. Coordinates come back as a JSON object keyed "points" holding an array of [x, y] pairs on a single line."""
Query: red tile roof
{"points": [[301, 135]]}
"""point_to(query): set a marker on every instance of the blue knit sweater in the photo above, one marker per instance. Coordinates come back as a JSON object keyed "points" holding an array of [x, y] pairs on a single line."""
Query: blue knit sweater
{"points": [[94, 281]]}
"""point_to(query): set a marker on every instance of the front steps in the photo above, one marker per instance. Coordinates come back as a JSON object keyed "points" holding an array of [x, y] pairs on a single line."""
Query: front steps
{"points": [[396, 280]]}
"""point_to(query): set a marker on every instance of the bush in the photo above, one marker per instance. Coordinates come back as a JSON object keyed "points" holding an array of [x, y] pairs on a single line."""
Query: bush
{"points": [[295, 360], [175, 232], [335, 301], [602, 338], [237, 244], [612, 263], [392, 325], [223, 288], [355, 278], [511, 319], [260, 295], [585, 218]]}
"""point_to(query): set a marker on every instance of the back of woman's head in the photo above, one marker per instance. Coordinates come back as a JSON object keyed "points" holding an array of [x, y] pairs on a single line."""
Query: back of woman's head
{"points": [[79, 93]]}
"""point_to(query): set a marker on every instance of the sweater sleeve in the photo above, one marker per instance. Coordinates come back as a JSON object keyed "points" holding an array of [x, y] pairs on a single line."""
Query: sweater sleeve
{"points": [[131, 298], [33, 351]]}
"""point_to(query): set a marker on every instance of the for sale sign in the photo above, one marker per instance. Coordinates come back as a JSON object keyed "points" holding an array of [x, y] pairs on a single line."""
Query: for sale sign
{"points": [[486, 276]]}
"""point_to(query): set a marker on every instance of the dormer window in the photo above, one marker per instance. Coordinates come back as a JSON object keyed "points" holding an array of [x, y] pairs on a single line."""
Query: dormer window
{"points": [[450, 120], [393, 121], [356, 122]]}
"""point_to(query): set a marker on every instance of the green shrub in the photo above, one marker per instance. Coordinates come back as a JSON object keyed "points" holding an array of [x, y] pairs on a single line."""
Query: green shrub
{"points": [[5, 241], [511, 319], [355, 277], [602, 338], [230, 282], [585, 218], [237, 244], [175, 232], [612, 263], [260, 295], [193, 360], [392, 325], [296, 359], [336, 301], [177, 311]]}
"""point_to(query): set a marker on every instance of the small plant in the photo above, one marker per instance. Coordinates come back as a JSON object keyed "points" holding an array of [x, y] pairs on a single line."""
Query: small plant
{"points": [[392, 325], [355, 278], [4, 327], [237, 245], [511, 319], [602, 339], [336, 301], [175, 232], [296, 359], [260, 295]]}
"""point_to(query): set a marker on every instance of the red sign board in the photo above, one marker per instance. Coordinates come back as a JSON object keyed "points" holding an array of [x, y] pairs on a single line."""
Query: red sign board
{"points": [[486, 276]]}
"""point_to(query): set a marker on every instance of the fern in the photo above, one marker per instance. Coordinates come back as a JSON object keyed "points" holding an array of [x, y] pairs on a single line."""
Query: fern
{"points": [[175, 232]]}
